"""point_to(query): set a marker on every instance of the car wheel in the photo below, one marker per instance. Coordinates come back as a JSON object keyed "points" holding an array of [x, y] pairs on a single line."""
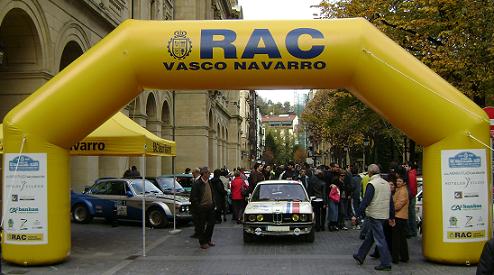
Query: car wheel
{"points": [[156, 218], [248, 238], [81, 214], [310, 237]]}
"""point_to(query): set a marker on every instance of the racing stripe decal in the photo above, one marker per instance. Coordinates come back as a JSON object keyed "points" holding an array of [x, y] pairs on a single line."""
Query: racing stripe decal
{"points": [[296, 207]]}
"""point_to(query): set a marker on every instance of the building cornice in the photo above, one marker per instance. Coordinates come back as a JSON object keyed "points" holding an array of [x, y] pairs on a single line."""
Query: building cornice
{"points": [[27, 75]]}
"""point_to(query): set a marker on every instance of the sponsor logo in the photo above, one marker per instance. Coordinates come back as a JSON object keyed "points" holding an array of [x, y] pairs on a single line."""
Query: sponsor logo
{"points": [[26, 198], [23, 163], [158, 148], [463, 235], [23, 224], [458, 195], [464, 160], [467, 182], [471, 195], [260, 43], [453, 221], [468, 223], [24, 210], [88, 146], [37, 224], [15, 197], [10, 223], [460, 207], [24, 237], [179, 46]]}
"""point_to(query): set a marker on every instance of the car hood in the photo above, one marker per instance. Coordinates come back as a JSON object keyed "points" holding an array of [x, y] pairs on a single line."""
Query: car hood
{"points": [[178, 198], [278, 207]]}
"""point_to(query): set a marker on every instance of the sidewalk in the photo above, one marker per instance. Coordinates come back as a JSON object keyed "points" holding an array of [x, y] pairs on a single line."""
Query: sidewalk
{"points": [[97, 248]]}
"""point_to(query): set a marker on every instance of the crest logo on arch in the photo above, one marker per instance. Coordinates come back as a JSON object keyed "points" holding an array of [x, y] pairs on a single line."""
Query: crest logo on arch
{"points": [[179, 46]]}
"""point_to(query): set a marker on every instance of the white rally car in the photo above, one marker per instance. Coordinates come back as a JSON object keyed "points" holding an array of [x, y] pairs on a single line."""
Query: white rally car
{"points": [[279, 207]]}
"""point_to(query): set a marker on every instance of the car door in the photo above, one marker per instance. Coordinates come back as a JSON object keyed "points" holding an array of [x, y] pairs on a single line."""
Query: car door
{"points": [[98, 195], [117, 193]]}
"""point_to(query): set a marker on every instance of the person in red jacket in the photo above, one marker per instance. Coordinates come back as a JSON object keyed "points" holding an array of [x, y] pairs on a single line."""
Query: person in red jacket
{"points": [[412, 193], [238, 201]]}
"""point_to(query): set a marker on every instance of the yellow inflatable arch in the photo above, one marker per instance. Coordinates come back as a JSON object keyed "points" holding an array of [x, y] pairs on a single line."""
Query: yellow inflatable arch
{"points": [[183, 55]]}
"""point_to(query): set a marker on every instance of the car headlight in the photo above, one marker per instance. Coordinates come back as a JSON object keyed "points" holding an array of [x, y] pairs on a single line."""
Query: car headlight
{"points": [[260, 218], [295, 217], [252, 218], [304, 217]]}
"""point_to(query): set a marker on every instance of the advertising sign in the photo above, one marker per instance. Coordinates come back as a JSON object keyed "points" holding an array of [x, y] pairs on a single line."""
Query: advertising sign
{"points": [[25, 199], [465, 197]]}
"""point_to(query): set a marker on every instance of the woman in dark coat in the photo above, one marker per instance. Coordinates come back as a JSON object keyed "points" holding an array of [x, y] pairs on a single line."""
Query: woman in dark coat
{"points": [[219, 194]]}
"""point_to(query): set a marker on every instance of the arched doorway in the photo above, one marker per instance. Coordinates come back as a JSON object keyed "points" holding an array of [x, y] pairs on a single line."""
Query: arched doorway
{"points": [[70, 52], [20, 43], [153, 124], [166, 133], [211, 140], [218, 147]]}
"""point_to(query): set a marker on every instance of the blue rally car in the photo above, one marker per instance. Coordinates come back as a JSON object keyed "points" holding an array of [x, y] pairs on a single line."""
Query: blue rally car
{"points": [[122, 199]]}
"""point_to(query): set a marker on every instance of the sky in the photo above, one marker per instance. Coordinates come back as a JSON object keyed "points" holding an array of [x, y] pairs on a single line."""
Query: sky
{"points": [[276, 10]]}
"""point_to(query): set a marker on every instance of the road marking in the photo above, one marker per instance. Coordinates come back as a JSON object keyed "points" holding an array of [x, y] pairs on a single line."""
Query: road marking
{"points": [[121, 265]]}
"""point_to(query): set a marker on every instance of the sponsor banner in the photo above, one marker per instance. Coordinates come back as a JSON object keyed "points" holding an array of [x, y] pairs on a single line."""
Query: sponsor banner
{"points": [[464, 195], [218, 51], [25, 199]]}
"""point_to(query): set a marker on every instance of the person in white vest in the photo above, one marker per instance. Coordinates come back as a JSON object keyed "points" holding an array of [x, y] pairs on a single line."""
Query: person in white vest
{"points": [[378, 206]]}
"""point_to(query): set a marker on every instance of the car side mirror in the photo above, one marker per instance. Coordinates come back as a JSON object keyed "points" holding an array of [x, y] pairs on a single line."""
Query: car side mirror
{"points": [[129, 194], [312, 198], [86, 188]]}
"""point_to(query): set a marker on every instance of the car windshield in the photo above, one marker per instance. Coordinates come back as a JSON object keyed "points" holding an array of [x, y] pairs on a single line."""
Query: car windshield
{"points": [[166, 184], [150, 188], [279, 192]]}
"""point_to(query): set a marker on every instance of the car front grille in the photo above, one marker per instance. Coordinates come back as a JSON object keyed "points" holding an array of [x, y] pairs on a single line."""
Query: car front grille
{"points": [[279, 218]]}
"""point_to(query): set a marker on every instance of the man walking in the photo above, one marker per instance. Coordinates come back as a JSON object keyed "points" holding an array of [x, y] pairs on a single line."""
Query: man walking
{"points": [[379, 208], [202, 196]]}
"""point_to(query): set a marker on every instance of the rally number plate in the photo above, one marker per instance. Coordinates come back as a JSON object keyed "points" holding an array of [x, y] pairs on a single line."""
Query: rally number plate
{"points": [[278, 228]]}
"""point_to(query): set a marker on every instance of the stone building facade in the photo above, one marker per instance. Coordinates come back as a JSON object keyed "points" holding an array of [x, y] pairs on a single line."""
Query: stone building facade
{"points": [[38, 38]]}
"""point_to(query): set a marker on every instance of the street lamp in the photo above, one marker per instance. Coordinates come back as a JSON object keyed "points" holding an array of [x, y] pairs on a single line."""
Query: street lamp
{"points": [[366, 143]]}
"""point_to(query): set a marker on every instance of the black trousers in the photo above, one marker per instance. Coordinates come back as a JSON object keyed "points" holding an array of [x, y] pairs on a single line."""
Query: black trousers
{"points": [[206, 220], [195, 220], [238, 206], [320, 213], [399, 249]]}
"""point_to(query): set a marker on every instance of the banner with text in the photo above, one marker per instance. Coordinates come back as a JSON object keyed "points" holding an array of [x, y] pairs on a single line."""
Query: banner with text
{"points": [[464, 193], [25, 199]]}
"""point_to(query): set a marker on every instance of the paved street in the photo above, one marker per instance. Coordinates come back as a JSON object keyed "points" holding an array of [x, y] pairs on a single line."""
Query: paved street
{"points": [[97, 248]]}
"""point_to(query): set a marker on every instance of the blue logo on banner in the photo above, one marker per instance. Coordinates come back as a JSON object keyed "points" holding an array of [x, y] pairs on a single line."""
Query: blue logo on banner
{"points": [[464, 160], [23, 163]]}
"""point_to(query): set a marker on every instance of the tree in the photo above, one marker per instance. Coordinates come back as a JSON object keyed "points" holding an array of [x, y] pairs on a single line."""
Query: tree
{"points": [[279, 148], [267, 108], [453, 37], [299, 154], [339, 118], [271, 148]]}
